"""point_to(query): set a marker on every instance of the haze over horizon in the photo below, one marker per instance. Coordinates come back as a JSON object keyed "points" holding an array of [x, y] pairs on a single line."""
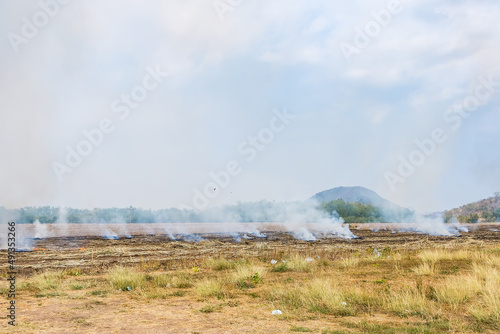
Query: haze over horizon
{"points": [[273, 100]]}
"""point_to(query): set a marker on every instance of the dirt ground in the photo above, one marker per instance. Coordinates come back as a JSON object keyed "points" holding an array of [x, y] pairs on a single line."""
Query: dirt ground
{"points": [[118, 313]]}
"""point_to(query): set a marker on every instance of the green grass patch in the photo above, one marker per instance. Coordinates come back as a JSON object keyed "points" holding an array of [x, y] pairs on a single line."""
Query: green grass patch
{"points": [[210, 308], [300, 329]]}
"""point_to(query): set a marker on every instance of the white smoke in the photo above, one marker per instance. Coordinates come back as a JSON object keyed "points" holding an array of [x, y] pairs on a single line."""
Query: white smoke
{"points": [[192, 238], [109, 234], [302, 233], [433, 225], [302, 220], [256, 233], [305, 221], [236, 236], [62, 222], [40, 230]]}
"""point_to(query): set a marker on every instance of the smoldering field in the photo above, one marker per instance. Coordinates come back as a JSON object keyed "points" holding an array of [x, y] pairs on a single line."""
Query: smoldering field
{"points": [[302, 220], [85, 247], [233, 266], [386, 281]]}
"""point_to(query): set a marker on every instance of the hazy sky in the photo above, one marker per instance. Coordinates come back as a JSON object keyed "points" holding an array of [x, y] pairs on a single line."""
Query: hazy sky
{"points": [[288, 98]]}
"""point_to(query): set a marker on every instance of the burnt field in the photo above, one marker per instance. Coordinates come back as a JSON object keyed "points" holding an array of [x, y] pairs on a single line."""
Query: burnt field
{"points": [[96, 254], [385, 281]]}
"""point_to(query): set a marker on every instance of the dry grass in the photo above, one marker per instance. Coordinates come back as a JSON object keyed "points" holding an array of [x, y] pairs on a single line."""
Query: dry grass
{"points": [[162, 280], [48, 283], [182, 280], [349, 262], [295, 263], [248, 276], [457, 290], [490, 260], [319, 295], [436, 255], [407, 285], [426, 268], [408, 301], [126, 279], [487, 310], [209, 287], [220, 264]]}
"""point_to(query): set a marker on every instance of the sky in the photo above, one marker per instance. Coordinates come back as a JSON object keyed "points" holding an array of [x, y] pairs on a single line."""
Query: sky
{"points": [[199, 103]]}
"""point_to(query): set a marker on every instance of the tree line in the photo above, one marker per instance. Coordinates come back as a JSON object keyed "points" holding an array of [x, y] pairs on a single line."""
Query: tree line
{"points": [[261, 211], [359, 213]]}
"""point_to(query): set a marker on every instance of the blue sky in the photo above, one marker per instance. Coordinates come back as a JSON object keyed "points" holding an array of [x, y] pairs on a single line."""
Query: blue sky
{"points": [[353, 118]]}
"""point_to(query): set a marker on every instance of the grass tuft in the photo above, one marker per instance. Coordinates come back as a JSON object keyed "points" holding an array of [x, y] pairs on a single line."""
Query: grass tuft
{"points": [[427, 269], [296, 263], [209, 288], [322, 296], [409, 302], [182, 280], [247, 276], [349, 262], [43, 282], [126, 278], [220, 264], [436, 255]]}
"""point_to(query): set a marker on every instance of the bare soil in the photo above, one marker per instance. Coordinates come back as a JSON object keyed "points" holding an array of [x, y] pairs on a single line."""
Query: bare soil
{"points": [[118, 313]]}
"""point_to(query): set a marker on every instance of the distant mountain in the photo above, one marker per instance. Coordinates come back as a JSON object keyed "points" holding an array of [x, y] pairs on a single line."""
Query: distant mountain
{"points": [[372, 207], [354, 194], [486, 210]]}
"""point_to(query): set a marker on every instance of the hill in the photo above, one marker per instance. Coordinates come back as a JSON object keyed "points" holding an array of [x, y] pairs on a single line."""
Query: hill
{"points": [[486, 210], [359, 205], [355, 194]]}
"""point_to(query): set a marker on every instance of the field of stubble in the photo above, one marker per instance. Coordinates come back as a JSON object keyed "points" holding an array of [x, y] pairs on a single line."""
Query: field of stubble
{"points": [[383, 283]]}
